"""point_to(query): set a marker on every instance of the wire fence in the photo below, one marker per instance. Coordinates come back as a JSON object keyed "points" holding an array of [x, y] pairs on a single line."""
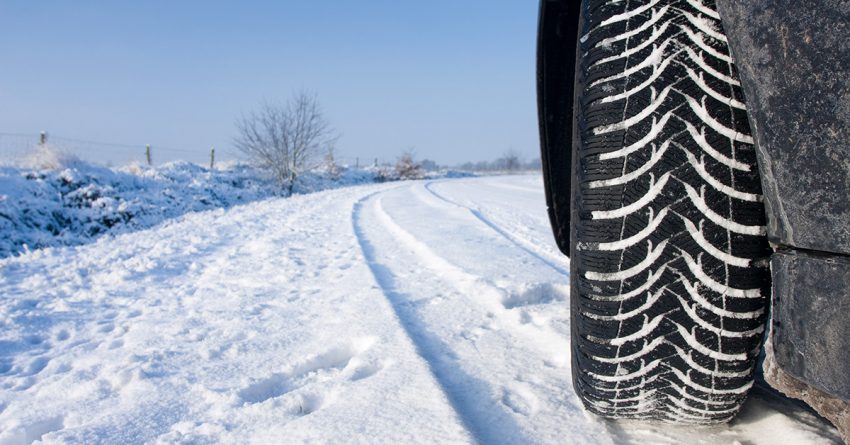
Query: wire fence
{"points": [[21, 147], [25, 149], [16, 148]]}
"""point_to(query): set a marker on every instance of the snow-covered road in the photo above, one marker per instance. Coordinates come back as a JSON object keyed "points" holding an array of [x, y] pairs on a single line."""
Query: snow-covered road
{"points": [[417, 312]]}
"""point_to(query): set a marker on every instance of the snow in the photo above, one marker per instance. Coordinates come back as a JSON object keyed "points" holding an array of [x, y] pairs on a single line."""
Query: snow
{"points": [[428, 311], [54, 199], [77, 203]]}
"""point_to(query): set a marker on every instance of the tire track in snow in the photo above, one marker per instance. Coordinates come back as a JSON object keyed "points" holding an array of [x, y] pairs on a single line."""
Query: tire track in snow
{"points": [[495, 339], [484, 293], [522, 244], [485, 425]]}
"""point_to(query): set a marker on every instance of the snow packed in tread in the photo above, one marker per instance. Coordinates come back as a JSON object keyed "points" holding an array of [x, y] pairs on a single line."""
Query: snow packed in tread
{"points": [[670, 231]]}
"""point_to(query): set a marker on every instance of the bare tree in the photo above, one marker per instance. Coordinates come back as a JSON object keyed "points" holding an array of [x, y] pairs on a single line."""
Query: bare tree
{"points": [[406, 166], [509, 161], [429, 165], [286, 139], [331, 167]]}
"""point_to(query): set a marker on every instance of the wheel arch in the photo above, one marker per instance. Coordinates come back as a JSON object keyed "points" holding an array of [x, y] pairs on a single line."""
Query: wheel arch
{"points": [[557, 29]]}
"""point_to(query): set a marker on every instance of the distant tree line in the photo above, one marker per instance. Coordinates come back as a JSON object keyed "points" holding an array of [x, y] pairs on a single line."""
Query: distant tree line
{"points": [[509, 162]]}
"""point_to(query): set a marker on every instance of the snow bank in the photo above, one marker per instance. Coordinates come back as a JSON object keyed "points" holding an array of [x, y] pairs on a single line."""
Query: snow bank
{"points": [[56, 199], [77, 202]]}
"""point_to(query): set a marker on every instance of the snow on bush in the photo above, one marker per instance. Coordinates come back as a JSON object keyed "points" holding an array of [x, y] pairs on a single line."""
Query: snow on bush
{"points": [[55, 199], [77, 202], [47, 156], [408, 168]]}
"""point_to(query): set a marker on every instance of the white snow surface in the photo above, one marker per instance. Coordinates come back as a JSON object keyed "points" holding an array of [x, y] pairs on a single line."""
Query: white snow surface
{"points": [[73, 202], [411, 312]]}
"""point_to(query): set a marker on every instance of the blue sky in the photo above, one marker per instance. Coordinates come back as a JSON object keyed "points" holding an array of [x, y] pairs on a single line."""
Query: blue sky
{"points": [[453, 80]]}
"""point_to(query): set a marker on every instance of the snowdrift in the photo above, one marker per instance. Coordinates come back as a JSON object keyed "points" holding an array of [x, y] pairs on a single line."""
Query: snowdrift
{"points": [[75, 202]]}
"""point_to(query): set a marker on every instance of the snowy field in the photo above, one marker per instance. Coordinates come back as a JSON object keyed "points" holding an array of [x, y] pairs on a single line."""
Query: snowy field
{"points": [[413, 312]]}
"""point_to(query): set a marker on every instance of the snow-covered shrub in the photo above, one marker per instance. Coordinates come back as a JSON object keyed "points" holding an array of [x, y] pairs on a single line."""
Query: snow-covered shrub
{"points": [[48, 156], [78, 203], [406, 167], [385, 174], [330, 167]]}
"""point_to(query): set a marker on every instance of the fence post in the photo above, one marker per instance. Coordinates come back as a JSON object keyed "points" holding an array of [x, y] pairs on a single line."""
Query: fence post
{"points": [[212, 158], [148, 153], [376, 162], [356, 162], [42, 138]]}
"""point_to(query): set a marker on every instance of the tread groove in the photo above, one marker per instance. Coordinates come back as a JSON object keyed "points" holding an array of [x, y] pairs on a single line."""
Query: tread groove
{"points": [[669, 283]]}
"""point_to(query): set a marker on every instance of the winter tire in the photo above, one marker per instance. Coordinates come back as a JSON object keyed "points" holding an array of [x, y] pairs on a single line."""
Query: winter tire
{"points": [[667, 238]]}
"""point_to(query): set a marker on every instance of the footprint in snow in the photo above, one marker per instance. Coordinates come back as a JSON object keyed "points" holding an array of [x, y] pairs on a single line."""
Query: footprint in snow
{"points": [[110, 315], [329, 365], [36, 366], [24, 384], [274, 386], [520, 399], [533, 294], [367, 370], [134, 313], [34, 431], [309, 403], [34, 340], [529, 317]]}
